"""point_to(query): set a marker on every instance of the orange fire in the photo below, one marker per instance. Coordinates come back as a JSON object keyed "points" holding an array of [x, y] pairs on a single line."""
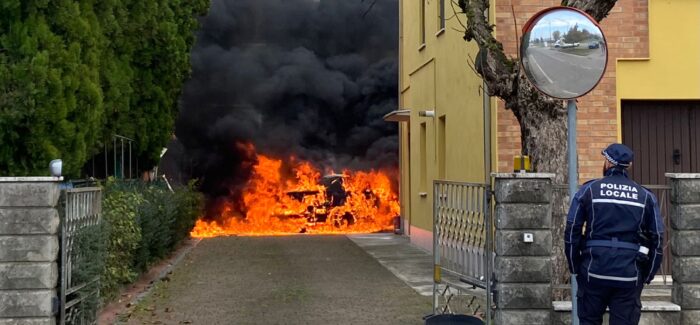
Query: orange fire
{"points": [[276, 202]]}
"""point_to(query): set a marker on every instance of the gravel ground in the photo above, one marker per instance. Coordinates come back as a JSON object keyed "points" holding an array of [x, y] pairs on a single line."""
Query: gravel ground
{"points": [[280, 280]]}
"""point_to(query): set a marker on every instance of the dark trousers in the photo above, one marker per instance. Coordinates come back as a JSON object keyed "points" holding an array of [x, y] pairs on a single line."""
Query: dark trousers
{"points": [[625, 304]]}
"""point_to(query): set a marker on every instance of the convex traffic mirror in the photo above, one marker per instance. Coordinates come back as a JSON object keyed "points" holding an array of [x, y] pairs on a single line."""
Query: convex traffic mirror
{"points": [[563, 52]]}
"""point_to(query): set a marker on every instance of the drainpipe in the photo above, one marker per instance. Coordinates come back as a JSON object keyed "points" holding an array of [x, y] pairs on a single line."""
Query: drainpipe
{"points": [[487, 125], [487, 135]]}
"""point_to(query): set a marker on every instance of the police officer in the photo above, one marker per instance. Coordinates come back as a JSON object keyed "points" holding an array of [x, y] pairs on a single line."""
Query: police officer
{"points": [[613, 242]]}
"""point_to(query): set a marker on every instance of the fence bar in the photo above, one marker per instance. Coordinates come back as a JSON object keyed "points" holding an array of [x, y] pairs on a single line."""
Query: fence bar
{"points": [[130, 160], [114, 149], [106, 167], [436, 250], [64, 242], [122, 164]]}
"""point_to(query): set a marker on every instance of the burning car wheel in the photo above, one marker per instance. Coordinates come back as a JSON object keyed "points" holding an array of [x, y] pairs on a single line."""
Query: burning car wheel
{"points": [[346, 219], [349, 218]]}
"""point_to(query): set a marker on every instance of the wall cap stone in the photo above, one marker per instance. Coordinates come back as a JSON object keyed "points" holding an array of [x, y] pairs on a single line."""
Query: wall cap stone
{"points": [[30, 179], [524, 175], [683, 175]]}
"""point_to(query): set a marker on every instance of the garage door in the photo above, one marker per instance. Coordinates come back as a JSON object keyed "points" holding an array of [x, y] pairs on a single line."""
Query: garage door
{"points": [[665, 137]]}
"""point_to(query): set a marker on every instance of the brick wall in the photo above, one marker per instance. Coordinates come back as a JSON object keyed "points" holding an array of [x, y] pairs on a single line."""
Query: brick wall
{"points": [[626, 30]]}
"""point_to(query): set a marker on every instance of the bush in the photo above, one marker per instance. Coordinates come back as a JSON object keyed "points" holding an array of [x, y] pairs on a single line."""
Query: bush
{"points": [[89, 251], [124, 235], [190, 205], [143, 224]]}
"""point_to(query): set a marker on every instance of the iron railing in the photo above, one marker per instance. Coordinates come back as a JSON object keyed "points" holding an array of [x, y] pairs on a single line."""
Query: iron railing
{"points": [[79, 292], [462, 244], [663, 197]]}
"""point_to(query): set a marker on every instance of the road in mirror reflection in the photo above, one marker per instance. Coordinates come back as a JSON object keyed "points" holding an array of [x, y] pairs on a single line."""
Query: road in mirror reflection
{"points": [[564, 53]]}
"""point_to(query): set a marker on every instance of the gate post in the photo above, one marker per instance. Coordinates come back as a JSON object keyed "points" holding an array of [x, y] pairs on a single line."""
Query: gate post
{"points": [[685, 244], [29, 224], [523, 248]]}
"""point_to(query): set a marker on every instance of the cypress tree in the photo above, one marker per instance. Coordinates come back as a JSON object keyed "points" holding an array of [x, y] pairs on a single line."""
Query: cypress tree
{"points": [[75, 72]]}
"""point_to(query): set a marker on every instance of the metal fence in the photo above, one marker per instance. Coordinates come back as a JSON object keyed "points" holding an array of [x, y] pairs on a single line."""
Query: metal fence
{"points": [[79, 290], [462, 246], [663, 196]]}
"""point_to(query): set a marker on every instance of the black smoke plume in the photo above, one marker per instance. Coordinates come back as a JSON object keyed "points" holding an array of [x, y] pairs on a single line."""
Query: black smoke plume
{"points": [[309, 78]]}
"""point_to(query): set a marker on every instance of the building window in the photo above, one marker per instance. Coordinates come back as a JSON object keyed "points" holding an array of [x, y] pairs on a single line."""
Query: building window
{"points": [[422, 22], [441, 15]]}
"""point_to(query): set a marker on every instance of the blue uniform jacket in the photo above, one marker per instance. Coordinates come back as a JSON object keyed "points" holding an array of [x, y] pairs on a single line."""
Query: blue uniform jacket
{"points": [[615, 211]]}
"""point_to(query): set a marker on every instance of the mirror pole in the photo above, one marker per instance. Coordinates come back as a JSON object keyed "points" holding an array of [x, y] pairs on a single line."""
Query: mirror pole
{"points": [[573, 185]]}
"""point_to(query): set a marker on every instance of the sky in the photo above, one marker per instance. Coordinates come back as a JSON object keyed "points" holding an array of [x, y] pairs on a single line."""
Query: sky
{"points": [[561, 20]]}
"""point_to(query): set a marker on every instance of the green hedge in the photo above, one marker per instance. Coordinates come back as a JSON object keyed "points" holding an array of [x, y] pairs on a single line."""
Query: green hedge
{"points": [[90, 244], [142, 224], [123, 236]]}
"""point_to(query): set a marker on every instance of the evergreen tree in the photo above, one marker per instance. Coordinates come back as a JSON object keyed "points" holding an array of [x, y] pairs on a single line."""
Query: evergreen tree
{"points": [[75, 72]]}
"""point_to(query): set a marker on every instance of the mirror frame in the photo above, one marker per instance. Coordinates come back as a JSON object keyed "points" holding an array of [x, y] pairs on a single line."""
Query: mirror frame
{"points": [[532, 21]]}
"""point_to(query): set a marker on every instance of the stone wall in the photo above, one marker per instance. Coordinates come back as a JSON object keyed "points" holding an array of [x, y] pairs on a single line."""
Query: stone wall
{"points": [[29, 224], [685, 244], [522, 267]]}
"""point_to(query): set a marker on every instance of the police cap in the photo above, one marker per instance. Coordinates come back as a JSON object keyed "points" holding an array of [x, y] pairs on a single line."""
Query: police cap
{"points": [[619, 154]]}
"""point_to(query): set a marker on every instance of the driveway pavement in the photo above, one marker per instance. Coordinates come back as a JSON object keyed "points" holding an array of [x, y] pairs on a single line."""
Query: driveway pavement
{"points": [[281, 280]]}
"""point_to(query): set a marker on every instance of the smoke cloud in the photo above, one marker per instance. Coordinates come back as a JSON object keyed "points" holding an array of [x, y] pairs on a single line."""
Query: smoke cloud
{"points": [[309, 78]]}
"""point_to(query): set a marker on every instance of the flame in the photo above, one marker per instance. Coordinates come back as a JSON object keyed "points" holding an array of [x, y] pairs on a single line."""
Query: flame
{"points": [[276, 202]]}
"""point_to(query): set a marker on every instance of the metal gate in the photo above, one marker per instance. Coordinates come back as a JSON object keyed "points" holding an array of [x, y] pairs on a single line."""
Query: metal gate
{"points": [[463, 248], [79, 290]]}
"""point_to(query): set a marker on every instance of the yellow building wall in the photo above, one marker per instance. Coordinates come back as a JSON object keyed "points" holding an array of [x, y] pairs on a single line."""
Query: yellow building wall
{"points": [[672, 70], [435, 75]]}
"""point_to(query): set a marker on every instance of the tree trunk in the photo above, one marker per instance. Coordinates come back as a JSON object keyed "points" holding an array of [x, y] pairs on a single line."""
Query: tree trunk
{"points": [[542, 119]]}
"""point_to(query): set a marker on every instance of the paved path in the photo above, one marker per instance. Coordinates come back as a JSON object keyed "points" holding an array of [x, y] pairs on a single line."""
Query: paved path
{"points": [[407, 262], [281, 280]]}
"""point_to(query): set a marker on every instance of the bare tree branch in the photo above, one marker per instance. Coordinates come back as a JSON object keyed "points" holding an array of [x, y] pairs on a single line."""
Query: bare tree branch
{"points": [[471, 65], [454, 11], [515, 31], [598, 9]]}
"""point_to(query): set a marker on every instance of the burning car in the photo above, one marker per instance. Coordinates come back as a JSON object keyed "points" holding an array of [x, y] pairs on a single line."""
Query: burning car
{"points": [[286, 197], [324, 206]]}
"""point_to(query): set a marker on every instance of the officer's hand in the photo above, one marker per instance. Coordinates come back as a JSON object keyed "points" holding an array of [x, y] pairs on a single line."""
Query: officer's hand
{"points": [[642, 259]]}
